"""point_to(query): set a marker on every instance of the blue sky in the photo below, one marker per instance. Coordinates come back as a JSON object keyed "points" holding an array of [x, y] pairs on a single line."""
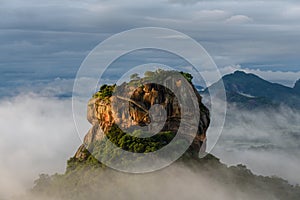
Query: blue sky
{"points": [[43, 40]]}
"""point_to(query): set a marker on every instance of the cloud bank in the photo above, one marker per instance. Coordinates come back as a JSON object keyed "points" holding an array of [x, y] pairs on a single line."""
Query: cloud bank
{"points": [[266, 141], [37, 136], [36, 44]]}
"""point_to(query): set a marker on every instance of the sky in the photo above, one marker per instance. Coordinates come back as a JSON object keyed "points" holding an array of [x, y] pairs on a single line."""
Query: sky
{"points": [[43, 40], [43, 43]]}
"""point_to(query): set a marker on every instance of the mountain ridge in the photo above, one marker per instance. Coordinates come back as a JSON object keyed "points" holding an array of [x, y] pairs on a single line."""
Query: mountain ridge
{"points": [[297, 86], [251, 91]]}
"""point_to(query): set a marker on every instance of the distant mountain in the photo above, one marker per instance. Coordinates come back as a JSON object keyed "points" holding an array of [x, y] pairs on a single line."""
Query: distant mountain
{"points": [[199, 88], [251, 91], [297, 87]]}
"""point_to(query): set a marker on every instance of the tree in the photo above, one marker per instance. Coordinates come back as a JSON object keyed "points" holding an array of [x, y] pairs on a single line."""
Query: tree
{"points": [[134, 76], [42, 183], [149, 74], [187, 76]]}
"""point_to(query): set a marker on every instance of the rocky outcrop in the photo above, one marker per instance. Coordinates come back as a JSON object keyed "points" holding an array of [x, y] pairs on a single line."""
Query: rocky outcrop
{"points": [[133, 107]]}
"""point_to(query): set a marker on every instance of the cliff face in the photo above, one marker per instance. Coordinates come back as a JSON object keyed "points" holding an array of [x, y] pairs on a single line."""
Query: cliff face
{"points": [[137, 110]]}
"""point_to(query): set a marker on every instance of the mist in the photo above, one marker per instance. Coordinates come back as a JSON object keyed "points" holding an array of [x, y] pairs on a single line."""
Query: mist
{"points": [[265, 140], [174, 182], [38, 136]]}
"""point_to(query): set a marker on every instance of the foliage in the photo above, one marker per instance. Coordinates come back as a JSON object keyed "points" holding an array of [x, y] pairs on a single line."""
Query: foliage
{"points": [[105, 91], [160, 75], [105, 150], [42, 183], [105, 183], [134, 76], [187, 76], [149, 74], [74, 164]]}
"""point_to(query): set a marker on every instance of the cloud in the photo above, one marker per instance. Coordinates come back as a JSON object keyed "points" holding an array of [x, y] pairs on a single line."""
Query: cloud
{"points": [[292, 12], [43, 40], [185, 2], [37, 136], [266, 141], [33, 39], [287, 78], [238, 19], [213, 15]]}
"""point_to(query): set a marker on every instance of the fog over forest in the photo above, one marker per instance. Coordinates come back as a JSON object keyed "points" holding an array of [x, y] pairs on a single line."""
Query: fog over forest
{"points": [[44, 137]]}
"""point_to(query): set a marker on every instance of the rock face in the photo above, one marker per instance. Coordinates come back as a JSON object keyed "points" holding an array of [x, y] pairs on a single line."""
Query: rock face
{"points": [[131, 107]]}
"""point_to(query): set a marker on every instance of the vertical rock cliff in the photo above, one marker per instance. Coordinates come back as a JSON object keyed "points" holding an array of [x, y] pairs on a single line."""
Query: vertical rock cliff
{"points": [[113, 106]]}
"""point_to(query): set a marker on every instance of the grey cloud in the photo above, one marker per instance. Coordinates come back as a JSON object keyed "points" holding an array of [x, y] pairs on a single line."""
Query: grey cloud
{"points": [[192, 2], [52, 38]]}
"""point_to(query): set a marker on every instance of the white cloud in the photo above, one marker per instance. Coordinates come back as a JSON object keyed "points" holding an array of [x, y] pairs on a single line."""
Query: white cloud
{"points": [[238, 19], [37, 136], [287, 78], [292, 12], [264, 140], [184, 2], [211, 15]]}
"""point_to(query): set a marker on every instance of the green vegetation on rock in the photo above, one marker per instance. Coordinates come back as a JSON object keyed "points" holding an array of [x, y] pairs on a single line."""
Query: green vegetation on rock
{"points": [[106, 151], [105, 91], [196, 178]]}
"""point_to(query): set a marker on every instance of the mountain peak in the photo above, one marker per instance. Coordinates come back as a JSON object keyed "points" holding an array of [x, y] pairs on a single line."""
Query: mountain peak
{"points": [[297, 86], [241, 75], [239, 72], [109, 117], [247, 87]]}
